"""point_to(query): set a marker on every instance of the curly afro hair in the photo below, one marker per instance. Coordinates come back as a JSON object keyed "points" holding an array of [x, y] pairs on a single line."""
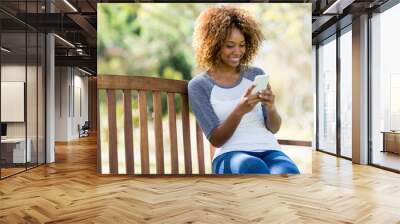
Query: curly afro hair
{"points": [[213, 27]]}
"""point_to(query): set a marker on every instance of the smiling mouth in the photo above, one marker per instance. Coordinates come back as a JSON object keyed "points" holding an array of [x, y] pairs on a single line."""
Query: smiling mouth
{"points": [[235, 59]]}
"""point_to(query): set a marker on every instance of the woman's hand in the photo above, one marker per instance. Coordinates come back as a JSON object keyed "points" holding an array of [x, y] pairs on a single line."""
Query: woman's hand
{"points": [[267, 98], [247, 102]]}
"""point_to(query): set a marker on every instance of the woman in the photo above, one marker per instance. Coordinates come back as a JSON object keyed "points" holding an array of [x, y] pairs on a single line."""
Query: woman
{"points": [[238, 123]]}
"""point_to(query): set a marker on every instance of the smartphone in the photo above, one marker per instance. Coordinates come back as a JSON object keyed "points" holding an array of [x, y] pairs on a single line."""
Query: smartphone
{"points": [[261, 82]]}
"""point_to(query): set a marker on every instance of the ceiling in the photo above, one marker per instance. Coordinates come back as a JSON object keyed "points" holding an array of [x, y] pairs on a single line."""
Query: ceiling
{"points": [[75, 43], [328, 16]]}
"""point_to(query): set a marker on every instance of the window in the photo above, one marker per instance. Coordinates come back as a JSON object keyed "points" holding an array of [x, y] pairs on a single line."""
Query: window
{"points": [[22, 60], [385, 84]]}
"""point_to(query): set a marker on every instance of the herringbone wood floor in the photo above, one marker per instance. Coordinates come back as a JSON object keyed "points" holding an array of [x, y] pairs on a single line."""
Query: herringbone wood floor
{"points": [[70, 191]]}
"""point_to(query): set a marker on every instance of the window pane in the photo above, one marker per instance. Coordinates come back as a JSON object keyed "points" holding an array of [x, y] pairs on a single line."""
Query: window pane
{"points": [[327, 97], [345, 94]]}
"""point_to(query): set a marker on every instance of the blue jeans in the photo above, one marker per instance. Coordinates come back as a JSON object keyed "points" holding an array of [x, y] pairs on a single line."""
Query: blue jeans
{"points": [[241, 162]]}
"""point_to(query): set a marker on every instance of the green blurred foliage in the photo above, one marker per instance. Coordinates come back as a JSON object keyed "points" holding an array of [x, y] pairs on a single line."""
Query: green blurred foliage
{"points": [[155, 40]]}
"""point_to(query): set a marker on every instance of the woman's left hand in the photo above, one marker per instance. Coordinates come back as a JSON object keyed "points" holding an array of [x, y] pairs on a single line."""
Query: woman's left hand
{"points": [[267, 98]]}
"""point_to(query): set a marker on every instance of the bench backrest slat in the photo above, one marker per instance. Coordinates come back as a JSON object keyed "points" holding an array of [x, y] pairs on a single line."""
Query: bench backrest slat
{"points": [[158, 132], [186, 134], [144, 144], [112, 131], [200, 149], [128, 129], [172, 131]]}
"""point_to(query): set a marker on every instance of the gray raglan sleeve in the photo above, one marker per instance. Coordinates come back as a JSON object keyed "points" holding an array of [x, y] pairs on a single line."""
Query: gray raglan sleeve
{"points": [[199, 91]]}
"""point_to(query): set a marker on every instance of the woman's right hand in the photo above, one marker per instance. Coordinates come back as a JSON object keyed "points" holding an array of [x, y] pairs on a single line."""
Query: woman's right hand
{"points": [[247, 102]]}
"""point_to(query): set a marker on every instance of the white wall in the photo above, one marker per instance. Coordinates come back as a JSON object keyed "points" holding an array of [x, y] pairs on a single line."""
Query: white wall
{"points": [[80, 115], [14, 73], [61, 103], [71, 93]]}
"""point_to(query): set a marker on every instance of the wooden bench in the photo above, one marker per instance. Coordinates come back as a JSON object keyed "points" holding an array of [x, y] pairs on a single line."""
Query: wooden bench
{"points": [[142, 84]]}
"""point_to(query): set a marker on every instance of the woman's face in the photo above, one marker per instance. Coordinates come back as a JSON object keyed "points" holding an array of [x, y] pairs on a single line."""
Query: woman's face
{"points": [[233, 48]]}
